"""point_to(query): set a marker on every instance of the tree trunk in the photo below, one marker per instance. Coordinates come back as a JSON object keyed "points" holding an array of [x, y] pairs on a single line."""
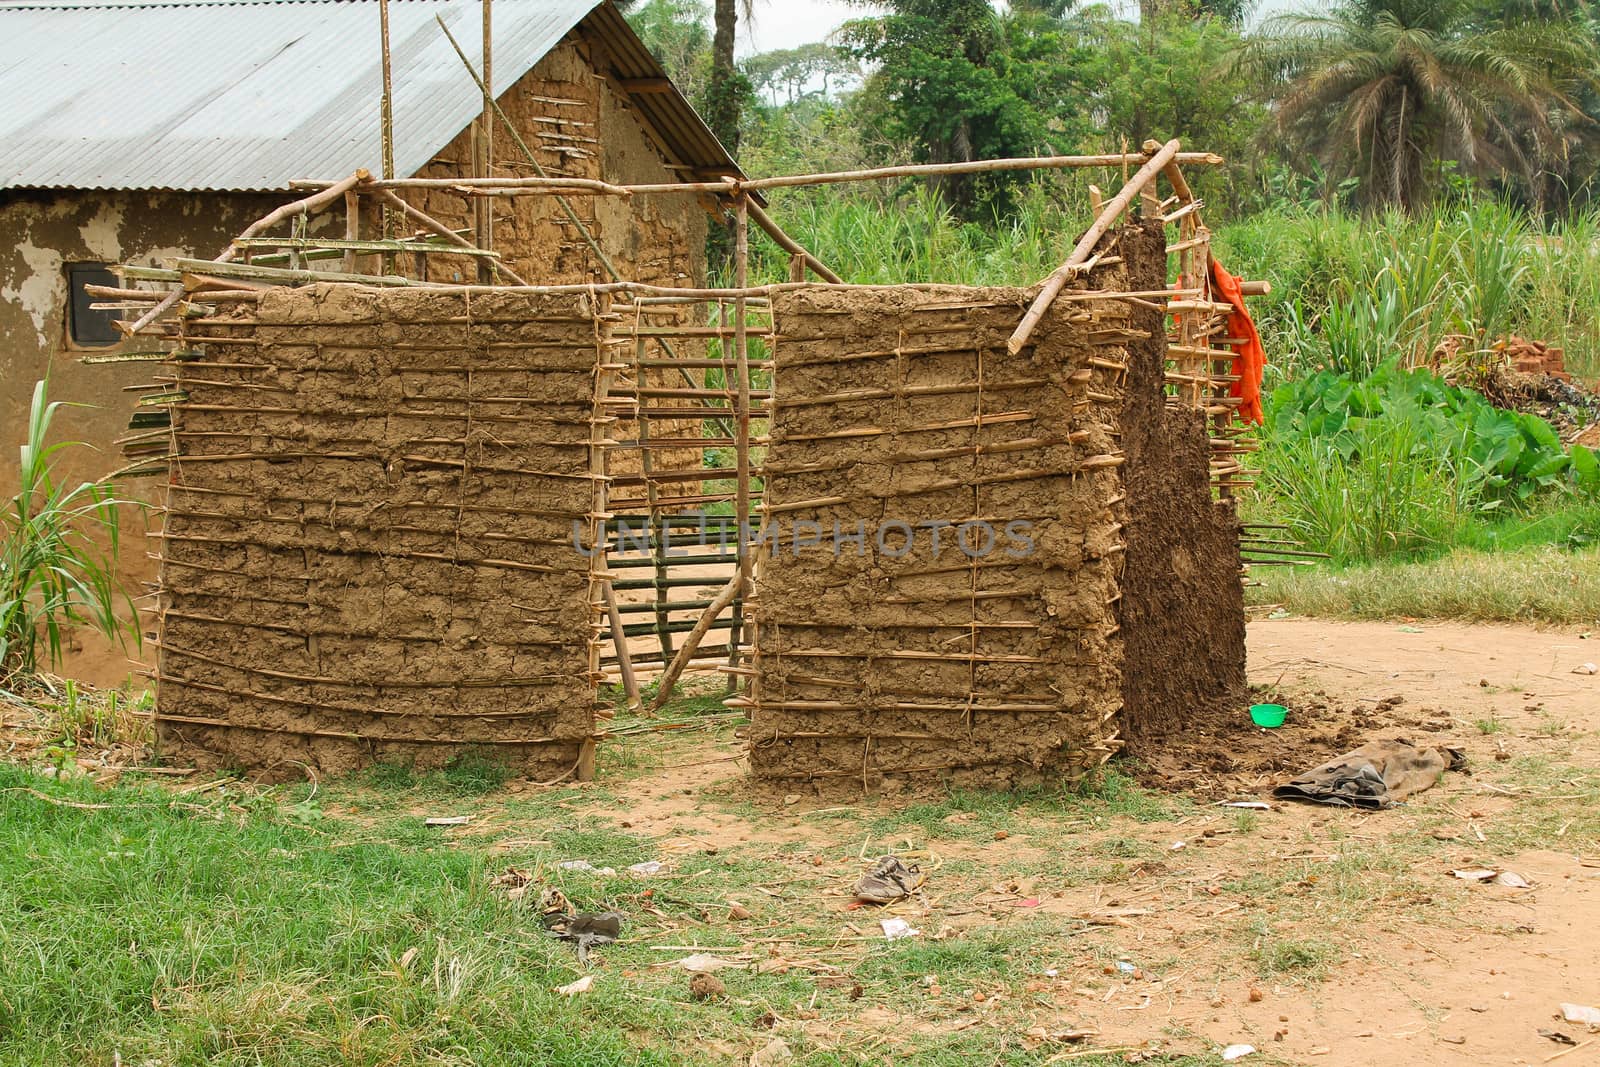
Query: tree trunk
{"points": [[724, 96]]}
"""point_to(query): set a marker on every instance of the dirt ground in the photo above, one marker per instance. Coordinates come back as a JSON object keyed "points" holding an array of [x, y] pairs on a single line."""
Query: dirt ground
{"points": [[1420, 967], [1141, 921]]}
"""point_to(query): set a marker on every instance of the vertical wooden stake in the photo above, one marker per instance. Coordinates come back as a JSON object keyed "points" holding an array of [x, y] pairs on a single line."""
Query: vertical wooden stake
{"points": [[485, 204], [387, 131], [741, 351], [352, 227]]}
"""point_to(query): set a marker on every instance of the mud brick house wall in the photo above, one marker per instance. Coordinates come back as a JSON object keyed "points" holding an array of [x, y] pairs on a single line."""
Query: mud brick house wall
{"points": [[102, 164]]}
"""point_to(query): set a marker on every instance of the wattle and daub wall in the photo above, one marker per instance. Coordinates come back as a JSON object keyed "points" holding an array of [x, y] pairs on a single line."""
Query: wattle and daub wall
{"points": [[1014, 647], [369, 549], [977, 569]]}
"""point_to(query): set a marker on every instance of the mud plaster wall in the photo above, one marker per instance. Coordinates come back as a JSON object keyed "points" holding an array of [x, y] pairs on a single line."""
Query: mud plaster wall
{"points": [[933, 666], [369, 550], [1182, 606], [40, 233]]}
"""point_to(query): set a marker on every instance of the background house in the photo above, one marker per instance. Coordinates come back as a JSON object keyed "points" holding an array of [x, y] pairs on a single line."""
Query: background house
{"points": [[137, 131]]}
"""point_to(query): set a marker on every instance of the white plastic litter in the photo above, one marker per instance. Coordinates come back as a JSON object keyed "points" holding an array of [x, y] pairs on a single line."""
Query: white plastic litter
{"points": [[648, 867], [1581, 1013], [585, 866], [1237, 1052], [895, 929]]}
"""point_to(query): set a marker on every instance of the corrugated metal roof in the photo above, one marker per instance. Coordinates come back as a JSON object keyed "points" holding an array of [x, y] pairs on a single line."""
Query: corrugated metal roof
{"points": [[249, 94]]}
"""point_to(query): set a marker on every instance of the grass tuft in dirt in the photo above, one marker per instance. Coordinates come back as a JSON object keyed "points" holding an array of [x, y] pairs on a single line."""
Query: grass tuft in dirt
{"points": [[1544, 584]]}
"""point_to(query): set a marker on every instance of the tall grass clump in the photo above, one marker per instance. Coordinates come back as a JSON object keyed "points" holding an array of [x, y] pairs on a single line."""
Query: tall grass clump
{"points": [[56, 567]]}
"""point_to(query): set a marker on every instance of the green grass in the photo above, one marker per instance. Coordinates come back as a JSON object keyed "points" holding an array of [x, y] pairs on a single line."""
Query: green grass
{"points": [[1541, 584], [243, 927]]}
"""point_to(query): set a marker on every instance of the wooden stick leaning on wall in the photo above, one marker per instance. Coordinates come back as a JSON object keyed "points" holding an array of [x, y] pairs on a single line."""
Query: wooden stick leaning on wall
{"points": [[1085, 246], [737, 586], [307, 205], [790, 245]]}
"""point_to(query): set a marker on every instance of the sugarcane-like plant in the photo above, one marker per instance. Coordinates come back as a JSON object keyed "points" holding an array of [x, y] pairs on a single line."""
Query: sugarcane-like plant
{"points": [[57, 559]]}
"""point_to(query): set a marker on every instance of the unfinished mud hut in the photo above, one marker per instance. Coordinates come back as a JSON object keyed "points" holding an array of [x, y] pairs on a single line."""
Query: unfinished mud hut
{"points": [[448, 571]]}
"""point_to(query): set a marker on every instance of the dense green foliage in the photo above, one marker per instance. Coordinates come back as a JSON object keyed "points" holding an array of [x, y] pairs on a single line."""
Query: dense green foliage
{"points": [[1400, 462]]}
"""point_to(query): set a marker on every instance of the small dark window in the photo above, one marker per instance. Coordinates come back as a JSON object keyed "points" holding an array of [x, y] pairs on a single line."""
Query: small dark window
{"points": [[87, 327]]}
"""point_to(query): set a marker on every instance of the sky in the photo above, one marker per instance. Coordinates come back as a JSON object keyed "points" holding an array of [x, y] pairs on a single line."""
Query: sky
{"points": [[787, 23]]}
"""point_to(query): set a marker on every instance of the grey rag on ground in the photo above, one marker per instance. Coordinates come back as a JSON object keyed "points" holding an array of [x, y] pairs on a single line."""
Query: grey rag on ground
{"points": [[1379, 774]]}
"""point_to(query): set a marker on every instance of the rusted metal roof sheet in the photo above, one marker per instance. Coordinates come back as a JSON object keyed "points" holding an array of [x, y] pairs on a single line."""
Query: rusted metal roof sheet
{"points": [[249, 94]]}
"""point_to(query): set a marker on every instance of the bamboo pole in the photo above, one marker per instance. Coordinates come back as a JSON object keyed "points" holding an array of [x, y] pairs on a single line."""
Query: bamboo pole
{"points": [[485, 212], [386, 123], [734, 186], [1085, 246]]}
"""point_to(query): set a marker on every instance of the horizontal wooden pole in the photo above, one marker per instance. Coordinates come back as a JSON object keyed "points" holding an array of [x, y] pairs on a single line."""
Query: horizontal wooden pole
{"points": [[734, 186]]}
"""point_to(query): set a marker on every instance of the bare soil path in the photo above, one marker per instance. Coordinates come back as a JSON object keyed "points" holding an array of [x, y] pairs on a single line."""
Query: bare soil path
{"points": [[1318, 935]]}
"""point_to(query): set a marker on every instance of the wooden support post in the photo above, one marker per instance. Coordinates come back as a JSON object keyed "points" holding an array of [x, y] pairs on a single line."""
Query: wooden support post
{"points": [[741, 344], [352, 228], [386, 133], [485, 205]]}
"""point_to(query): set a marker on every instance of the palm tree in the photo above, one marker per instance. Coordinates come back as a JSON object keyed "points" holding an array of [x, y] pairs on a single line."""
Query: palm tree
{"points": [[1384, 88]]}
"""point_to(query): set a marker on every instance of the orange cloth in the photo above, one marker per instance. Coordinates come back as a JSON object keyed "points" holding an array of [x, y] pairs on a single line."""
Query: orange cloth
{"points": [[1250, 359]]}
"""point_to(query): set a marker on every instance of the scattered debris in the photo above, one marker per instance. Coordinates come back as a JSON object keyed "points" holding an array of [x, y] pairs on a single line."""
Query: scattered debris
{"points": [[895, 929], [585, 867], [1043, 1033], [447, 820], [737, 911], [774, 1054], [1125, 967], [647, 868], [704, 986], [1558, 1037], [705, 963], [1586, 668], [583, 929], [889, 880], [1253, 805], [1484, 874], [514, 880], [1379, 774], [1581, 1013], [572, 989], [1237, 1052]]}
